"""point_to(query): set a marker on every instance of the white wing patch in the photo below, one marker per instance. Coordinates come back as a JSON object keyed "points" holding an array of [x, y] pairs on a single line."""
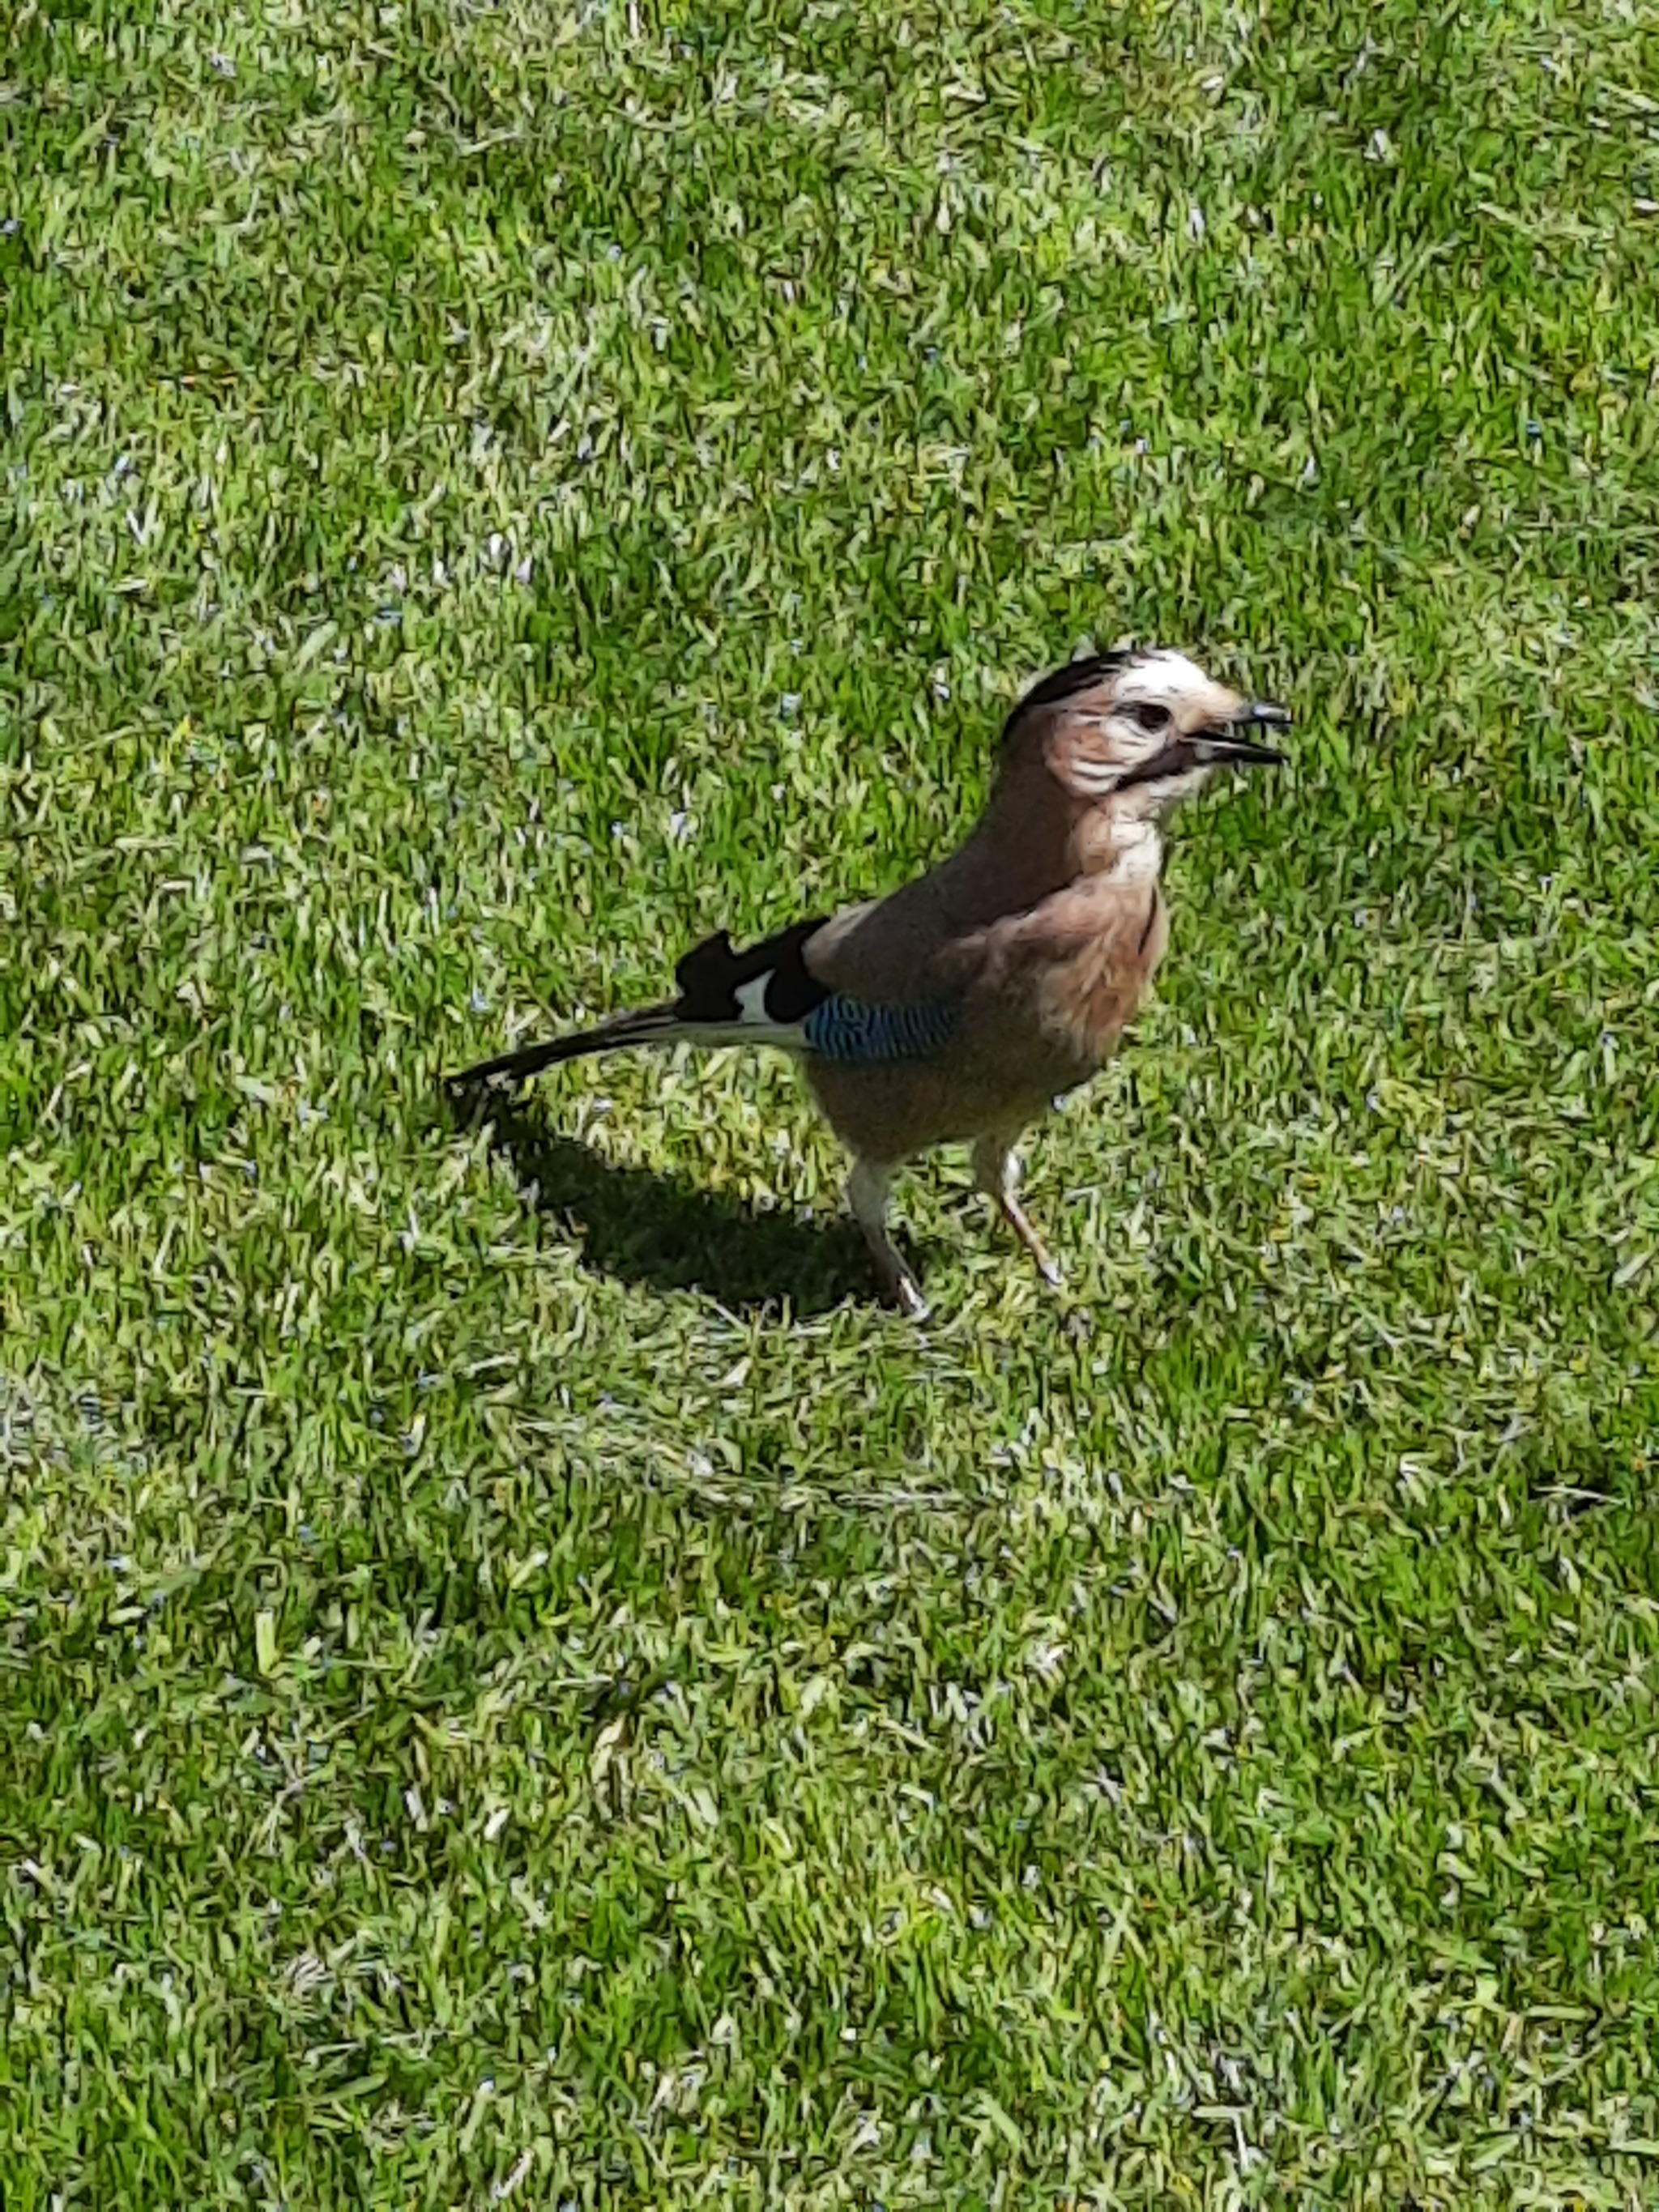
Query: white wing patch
{"points": [[751, 998], [754, 1026]]}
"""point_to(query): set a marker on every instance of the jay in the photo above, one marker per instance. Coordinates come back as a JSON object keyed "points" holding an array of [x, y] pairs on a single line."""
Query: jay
{"points": [[957, 1008]]}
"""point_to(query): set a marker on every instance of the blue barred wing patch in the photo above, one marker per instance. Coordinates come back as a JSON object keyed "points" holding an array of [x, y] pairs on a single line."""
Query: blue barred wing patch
{"points": [[860, 1036]]}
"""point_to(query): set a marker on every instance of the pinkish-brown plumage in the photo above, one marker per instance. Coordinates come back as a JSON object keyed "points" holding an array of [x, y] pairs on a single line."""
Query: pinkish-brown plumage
{"points": [[1044, 992], [958, 1007]]}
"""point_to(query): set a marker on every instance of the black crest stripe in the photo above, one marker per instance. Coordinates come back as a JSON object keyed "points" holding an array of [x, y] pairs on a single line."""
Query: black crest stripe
{"points": [[1091, 668]]}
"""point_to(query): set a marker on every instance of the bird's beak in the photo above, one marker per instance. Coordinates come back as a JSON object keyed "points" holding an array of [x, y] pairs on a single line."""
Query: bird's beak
{"points": [[1228, 746]]}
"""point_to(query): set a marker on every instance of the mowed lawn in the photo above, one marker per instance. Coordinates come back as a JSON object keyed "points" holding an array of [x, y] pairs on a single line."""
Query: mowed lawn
{"points": [[522, 1683]]}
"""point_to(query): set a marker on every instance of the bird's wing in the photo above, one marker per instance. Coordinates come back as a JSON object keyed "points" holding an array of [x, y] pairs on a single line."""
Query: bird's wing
{"points": [[770, 995], [766, 994], [1071, 967], [767, 987]]}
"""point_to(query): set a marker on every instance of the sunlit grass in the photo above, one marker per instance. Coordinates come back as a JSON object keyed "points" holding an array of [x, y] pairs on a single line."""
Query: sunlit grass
{"points": [[521, 1681]]}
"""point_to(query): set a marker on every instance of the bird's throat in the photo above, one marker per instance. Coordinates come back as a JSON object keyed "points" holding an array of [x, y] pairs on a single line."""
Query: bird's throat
{"points": [[1032, 843], [1127, 850]]}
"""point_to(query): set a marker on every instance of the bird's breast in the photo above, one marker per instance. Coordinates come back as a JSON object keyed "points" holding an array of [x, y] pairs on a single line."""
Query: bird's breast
{"points": [[1091, 990]]}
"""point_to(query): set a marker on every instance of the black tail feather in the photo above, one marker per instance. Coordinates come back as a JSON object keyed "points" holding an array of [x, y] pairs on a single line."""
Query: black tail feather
{"points": [[645, 1026]]}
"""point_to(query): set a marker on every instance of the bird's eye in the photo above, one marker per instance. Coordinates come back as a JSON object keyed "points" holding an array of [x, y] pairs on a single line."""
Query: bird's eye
{"points": [[1151, 716]]}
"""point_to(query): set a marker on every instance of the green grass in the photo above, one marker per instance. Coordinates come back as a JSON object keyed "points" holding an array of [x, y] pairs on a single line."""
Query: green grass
{"points": [[521, 1682]]}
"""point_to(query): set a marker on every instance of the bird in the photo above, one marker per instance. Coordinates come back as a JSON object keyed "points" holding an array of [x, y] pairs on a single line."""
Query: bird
{"points": [[959, 1007]]}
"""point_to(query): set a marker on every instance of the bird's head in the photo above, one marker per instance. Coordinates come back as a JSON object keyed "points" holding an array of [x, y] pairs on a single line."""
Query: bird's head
{"points": [[1137, 731]]}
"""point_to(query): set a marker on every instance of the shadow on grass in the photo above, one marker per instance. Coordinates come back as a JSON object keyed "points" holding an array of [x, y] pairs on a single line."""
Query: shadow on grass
{"points": [[672, 1234]]}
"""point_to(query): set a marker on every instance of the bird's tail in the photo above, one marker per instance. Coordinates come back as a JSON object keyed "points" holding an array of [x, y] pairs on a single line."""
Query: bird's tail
{"points": [[643, 1025]]}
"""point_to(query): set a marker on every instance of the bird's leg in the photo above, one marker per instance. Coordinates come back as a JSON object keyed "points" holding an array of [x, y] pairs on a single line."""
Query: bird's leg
{"points": [[996, 1172], [867, 1193]]}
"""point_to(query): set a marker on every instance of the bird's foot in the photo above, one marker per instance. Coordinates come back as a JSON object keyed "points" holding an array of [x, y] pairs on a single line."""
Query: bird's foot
{"points": [[1047, 1266], [902, 1289], [866, 1191]]}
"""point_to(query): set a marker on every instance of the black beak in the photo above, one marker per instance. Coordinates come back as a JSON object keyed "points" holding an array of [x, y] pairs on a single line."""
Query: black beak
{"points": [[1215, 748], [1228, 745]]}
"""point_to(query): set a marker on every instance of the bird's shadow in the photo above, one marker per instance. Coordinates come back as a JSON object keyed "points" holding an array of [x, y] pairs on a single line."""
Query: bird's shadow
{"points": [[657, 1228]]}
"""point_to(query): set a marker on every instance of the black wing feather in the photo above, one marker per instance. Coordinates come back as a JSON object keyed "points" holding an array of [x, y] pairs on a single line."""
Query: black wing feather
{"points": [[711, 975]]}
